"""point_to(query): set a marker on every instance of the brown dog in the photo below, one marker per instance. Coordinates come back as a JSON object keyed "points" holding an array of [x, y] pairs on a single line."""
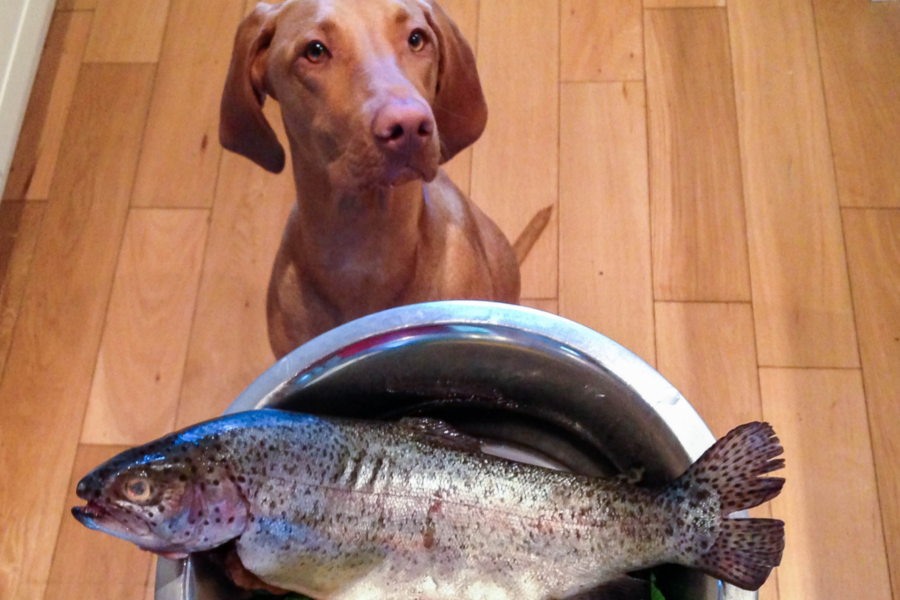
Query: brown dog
{"points": [[375, 95]]}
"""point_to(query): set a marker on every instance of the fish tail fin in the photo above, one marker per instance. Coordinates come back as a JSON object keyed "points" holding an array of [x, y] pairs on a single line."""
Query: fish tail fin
{"points": [[745, 550], [732, 468]]}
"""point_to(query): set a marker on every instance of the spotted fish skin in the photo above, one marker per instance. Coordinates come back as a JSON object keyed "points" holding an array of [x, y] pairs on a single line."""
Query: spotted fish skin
{"points": [[351, 510]]}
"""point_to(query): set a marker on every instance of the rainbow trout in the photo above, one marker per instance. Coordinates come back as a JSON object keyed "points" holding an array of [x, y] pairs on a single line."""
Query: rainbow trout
{"points": [[350, 510]]}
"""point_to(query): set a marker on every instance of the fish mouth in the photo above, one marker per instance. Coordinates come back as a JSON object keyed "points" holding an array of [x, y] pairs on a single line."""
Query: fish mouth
{"points": [[95, 516], [99, 518], [90, 514]]}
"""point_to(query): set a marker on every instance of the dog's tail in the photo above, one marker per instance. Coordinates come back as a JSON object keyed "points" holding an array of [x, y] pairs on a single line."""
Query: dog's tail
{"points": [[532, 232]]}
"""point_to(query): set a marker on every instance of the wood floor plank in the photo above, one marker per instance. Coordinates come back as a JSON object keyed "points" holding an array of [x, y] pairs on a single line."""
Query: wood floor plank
{"points": [[860, 47], [180, 157], [90, 564], [515, 167], [801, 294], [544, 304], [47, 379], [127, 31], [465, 14], [248, 218], [708, 352], [830, 503], [604, 220], [63, 5], [11, 214], [137, 380], [48, 107], [682, 3], [601, 41], [873, 252], [150, 591], [20, 224], [696, 194]]}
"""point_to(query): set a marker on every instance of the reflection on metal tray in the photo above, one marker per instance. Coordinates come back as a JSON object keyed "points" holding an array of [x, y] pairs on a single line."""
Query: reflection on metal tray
{"points": [[530, 383]]}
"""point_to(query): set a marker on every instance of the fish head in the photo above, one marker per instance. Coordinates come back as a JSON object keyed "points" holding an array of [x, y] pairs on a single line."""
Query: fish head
{"points": [[171, 498]]}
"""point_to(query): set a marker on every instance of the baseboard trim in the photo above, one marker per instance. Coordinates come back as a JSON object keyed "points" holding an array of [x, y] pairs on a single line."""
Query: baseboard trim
{"points": [[23, 26]]}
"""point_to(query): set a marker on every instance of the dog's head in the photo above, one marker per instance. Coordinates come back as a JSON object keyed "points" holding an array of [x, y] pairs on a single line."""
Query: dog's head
{"points": [[376, 92]]}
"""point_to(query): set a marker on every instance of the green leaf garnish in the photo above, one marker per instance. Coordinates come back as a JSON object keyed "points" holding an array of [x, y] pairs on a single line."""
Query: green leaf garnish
{"points": [[655, 594]]}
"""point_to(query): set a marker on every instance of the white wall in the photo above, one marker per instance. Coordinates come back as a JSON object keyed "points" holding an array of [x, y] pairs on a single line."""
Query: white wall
{"points": [[23, 27]]}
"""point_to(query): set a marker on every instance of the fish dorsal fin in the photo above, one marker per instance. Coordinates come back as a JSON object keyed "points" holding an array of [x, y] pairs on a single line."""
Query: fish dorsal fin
{"points": [[441, 433], [622, 588]]}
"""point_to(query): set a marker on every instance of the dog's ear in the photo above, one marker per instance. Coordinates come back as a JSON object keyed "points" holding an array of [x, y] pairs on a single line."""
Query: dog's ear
{"points": [[459, 106], [242, 126]]}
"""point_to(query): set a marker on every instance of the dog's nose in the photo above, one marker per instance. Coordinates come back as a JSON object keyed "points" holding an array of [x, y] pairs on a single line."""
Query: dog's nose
{"points": [[403, 124]]}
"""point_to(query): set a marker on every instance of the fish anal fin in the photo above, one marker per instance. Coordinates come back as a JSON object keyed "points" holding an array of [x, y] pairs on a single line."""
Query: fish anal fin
{"points": [[441, 433], [621, 588]]}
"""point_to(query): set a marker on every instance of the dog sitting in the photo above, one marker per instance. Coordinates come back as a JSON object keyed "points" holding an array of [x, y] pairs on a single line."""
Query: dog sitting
{"points": [[375, 96]]}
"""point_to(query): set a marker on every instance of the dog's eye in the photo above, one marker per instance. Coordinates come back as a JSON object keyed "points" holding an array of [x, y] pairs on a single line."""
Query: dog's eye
{"points": [[316, 52], [417, 40]]}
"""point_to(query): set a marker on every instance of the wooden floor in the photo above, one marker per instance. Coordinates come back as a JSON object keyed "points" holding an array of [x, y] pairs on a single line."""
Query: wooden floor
{"points": [[727, 206]]}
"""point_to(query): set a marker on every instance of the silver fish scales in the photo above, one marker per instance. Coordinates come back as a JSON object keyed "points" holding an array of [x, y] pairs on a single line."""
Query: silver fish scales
{"points": [[353, 510]]}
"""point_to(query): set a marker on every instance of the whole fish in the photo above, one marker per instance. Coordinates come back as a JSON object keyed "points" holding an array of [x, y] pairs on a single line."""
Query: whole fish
{"points": [[351, 510]]}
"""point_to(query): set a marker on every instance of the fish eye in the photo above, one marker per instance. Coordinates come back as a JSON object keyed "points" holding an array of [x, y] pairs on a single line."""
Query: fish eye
{"points": [[316, 52], [138, 489], [417, 40]]}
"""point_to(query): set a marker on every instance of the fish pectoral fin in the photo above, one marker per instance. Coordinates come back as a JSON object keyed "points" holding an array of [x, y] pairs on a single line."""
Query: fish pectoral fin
{"points": [[312, 561], [623, 588], [244, 578], [441, 433]]}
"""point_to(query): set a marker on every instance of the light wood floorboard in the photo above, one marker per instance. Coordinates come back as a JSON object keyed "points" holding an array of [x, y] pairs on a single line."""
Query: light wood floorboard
{"points": [[801, 294], [859, 44], [515, 165], [63, 5], [32, 168], [546, 305], [20, 224], [820, 417], [127, 31], [180, 158], [601, 41], [708, 352], [45, 387], [137, 380], [682, 3], [873, 249], [605, 280], [699, 236]]}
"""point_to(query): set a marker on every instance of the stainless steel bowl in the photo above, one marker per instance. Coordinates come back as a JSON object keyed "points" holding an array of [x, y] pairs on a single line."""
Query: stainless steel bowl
{"points": [[533, 385]]}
